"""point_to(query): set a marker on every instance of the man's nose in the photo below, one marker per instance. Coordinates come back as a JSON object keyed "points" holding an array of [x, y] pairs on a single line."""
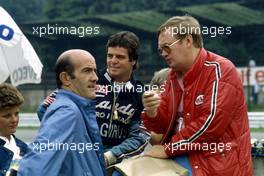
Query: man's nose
{"points": [[114, 60], [14, 118], [164, 53], [94, 77]]}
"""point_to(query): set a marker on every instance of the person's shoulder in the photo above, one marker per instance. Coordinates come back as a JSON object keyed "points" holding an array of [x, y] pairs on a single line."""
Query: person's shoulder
{"points": [[135, 81], [221, 61], [138, 83], [103, 77], [64, 98], [22, 145], [61, 101], [226, 70], [62, 105], [139, 87], [19, 141]]}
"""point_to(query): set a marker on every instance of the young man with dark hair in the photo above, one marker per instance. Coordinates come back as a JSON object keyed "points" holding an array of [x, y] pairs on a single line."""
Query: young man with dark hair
{"points": [[119, 107]]}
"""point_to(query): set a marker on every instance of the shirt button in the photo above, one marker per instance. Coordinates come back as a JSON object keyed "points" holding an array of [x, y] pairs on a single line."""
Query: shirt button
{"points": [[196, 167], [188, 114]]}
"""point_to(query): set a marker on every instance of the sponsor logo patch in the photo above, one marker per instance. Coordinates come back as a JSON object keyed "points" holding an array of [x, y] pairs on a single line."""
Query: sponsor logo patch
{"points": [[199, 100]]}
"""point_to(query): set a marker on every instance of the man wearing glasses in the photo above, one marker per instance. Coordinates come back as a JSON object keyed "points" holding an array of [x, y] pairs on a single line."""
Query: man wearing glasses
{"points": [[202, 113]]}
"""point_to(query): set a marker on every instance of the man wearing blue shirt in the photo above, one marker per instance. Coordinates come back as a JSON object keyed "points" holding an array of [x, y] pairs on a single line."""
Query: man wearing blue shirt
{"points": [[68, 142]]}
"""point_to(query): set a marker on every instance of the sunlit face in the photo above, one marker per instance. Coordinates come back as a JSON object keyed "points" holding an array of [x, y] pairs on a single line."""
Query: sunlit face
{"points": [[8, 121], [174, 55], [119, 66], [85, 77]]}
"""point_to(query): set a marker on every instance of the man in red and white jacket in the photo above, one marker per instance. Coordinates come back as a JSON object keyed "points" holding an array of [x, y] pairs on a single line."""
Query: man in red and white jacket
{"points": [[202, 111]]}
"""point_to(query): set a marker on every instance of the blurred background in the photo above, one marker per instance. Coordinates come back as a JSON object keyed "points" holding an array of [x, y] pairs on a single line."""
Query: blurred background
{"points": [[241, 39]]}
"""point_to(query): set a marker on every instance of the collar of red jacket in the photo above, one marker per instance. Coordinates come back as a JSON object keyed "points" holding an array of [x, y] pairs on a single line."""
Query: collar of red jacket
{"points": [[196, 68]]}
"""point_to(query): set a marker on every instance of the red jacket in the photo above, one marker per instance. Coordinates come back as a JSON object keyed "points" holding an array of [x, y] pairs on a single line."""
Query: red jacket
{"points": [[216, 132]]}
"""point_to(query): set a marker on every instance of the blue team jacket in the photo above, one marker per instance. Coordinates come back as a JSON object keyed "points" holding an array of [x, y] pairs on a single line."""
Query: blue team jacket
{"points": [[68, 142]]}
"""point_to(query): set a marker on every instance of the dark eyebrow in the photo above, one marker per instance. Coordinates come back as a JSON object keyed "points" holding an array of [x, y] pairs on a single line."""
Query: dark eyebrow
{"points": [[89, 69], [120, 56], [117, 55]]}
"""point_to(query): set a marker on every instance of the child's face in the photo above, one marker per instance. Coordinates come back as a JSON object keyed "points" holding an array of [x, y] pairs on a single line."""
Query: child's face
{"points": [[9, 121]]}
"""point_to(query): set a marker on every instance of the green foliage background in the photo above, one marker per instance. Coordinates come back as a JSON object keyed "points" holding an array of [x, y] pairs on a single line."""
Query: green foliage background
{"points": [[142, 17]]}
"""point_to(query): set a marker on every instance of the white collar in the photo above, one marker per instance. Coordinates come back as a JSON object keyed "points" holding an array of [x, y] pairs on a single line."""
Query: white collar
{"points": [[7, 141], [127, 84], [11, 145]]}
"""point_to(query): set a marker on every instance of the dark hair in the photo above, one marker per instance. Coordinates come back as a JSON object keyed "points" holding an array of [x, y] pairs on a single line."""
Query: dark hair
{"points": [[63, 64], [9, 96], [127, 40]]}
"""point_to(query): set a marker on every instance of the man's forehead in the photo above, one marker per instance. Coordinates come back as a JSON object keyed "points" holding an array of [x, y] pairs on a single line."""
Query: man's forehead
{"points": [[165, 37], [117, 50], [84, 62], [91, 63]]}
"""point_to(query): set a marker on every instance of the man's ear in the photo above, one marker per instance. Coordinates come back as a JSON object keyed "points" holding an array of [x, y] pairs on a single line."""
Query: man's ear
{"points": [[65, 79], [189, 40]]}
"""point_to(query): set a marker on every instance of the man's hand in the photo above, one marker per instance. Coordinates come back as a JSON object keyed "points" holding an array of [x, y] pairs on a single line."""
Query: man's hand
{"points": [[157, 151], [151, 102]]}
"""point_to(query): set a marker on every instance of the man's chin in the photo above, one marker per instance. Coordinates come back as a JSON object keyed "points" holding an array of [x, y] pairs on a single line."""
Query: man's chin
{"points": [[12, 131], [114, 71]]}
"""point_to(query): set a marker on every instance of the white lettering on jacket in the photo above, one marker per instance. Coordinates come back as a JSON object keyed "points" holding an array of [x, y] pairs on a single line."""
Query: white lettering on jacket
{"points": [[114, 131], [127, 110]]}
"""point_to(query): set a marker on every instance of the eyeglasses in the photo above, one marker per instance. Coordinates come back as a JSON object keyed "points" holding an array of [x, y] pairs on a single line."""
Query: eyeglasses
{"points": [[167, 47]]}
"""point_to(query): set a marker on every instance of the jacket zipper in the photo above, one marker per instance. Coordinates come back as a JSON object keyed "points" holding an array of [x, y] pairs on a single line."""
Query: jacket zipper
{"points": [[113, 110], [173, 114]]}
